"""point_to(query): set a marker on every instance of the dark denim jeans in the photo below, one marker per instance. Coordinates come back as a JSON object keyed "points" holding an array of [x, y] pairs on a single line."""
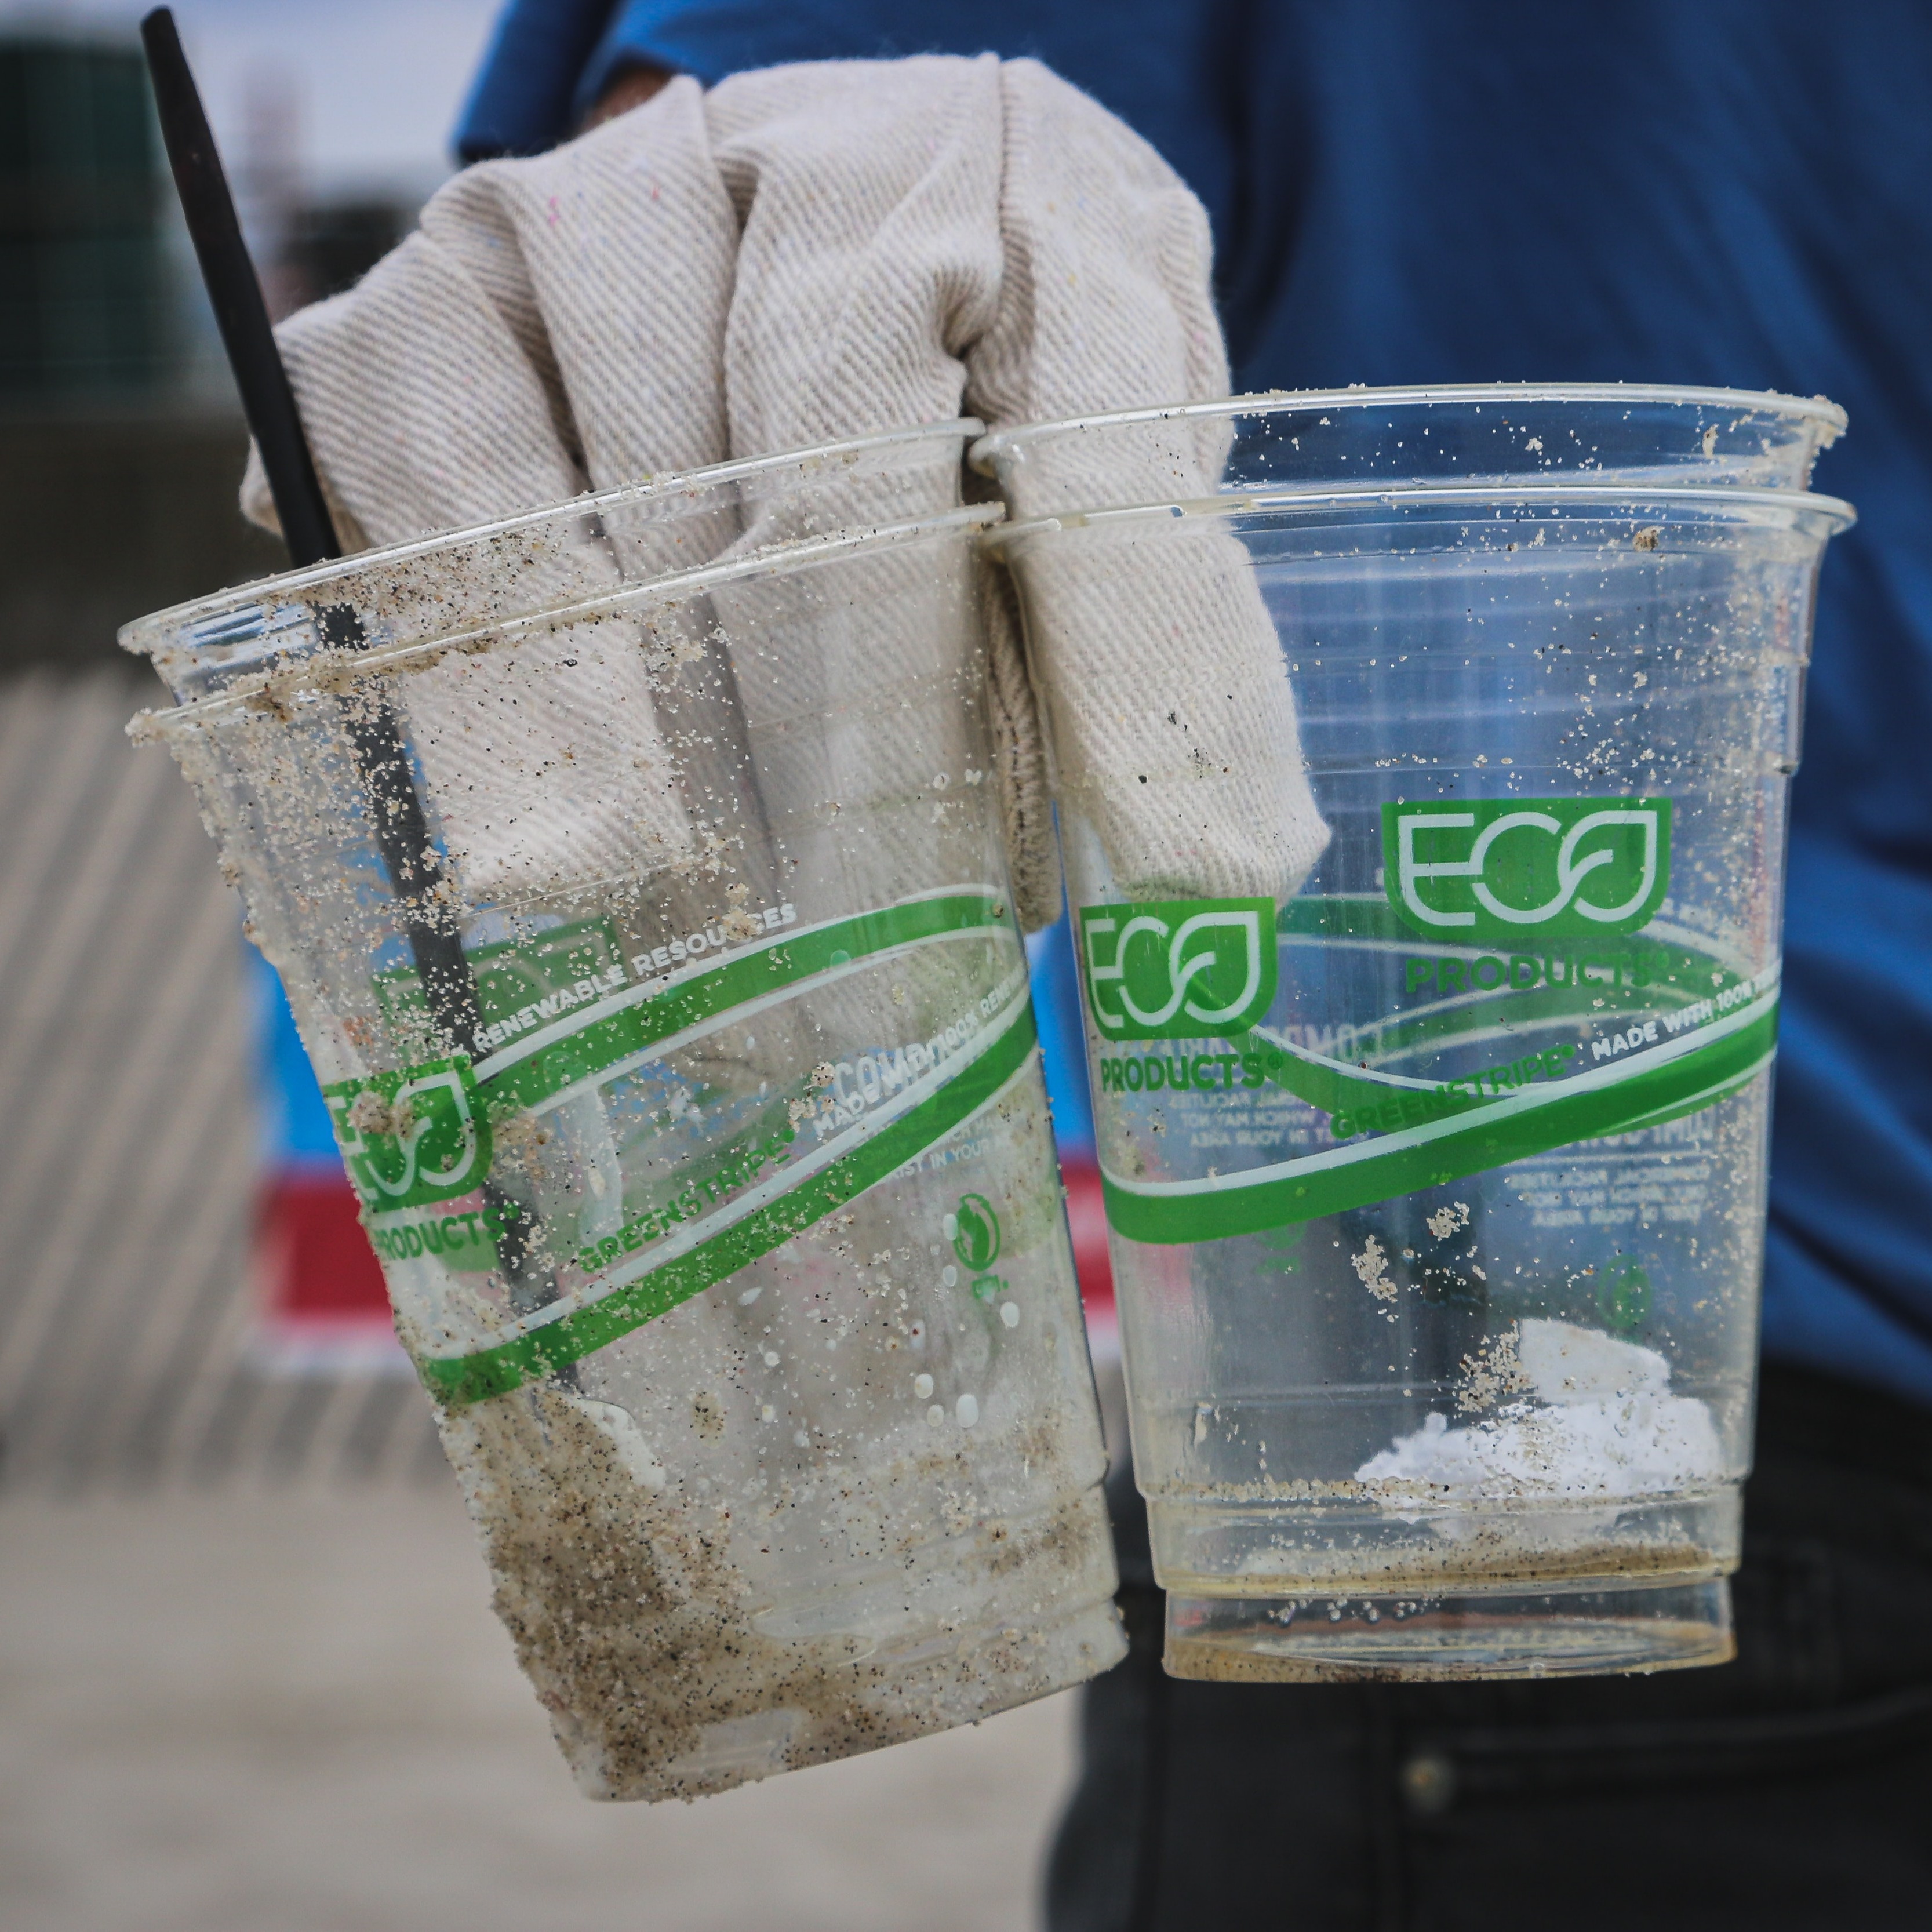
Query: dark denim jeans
{"points": [[1790, 1789]]}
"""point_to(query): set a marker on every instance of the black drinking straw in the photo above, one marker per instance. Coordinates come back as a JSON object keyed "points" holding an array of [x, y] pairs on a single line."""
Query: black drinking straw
{"points": [[395, 810], [267, 400]]}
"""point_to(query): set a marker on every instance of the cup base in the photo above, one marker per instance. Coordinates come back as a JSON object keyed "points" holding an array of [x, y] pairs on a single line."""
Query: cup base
{"points": [[895, 1694], [1590, 1630]]}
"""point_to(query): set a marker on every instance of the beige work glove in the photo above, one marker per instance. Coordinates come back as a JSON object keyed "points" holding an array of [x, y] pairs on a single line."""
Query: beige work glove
{"points": [[803, 254]]}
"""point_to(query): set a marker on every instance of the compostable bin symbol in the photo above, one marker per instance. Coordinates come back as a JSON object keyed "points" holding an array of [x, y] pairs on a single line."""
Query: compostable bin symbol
{"points": [[1623, 1299], [976, 1233]]}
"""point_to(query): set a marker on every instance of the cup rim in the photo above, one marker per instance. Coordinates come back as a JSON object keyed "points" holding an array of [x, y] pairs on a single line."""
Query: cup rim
{"points": [[323, 668], [592, 502], [987, 451], [1631, 497]]}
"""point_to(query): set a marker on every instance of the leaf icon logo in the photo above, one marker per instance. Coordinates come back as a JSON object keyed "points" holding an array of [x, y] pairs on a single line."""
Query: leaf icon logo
{"points": [[975, 1236]]}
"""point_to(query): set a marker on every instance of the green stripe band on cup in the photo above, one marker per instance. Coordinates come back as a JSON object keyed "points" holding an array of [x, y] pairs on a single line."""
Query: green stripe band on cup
{"points": [[635, 1023], [1678, 1078], [461, 1379]]}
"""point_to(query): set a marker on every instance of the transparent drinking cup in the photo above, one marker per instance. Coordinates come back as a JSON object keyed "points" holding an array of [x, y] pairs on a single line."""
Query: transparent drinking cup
{"points": [[634, 870], [1436, 1194]]}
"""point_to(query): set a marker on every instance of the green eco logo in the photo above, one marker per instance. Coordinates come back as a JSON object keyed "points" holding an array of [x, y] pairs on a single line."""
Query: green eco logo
{"points": [[1506, 868], [411, 1137], [976, 1233], [1178, 969]]}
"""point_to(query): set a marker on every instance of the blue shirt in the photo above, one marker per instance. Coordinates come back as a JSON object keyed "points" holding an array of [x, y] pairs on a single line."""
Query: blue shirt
{"points": [[1733, 193]]}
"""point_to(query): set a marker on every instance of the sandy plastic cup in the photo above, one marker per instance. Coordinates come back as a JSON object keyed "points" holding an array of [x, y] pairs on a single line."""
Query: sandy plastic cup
{"points": [[1436, 1195], [634, 870]]}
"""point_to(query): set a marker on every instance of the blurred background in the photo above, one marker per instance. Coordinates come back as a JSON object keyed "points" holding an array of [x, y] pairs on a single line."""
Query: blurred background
{"points": [[249, 1677]]}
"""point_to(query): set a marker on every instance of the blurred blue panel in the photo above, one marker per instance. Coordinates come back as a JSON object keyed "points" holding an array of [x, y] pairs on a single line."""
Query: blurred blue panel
{"points": [[1056, 1001], [295, 1127]]}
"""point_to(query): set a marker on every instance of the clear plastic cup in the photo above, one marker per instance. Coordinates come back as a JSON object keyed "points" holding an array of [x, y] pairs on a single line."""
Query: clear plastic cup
{"points": [[635, 874], [1436, 1195]]}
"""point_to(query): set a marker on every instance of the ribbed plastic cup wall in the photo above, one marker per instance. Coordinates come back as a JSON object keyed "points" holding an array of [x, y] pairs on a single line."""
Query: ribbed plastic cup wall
{"points": [[635, 870], [1437, 1199]]}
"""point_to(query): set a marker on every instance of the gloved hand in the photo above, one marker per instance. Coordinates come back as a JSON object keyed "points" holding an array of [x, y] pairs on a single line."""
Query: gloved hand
{"points": [[803, 254]]}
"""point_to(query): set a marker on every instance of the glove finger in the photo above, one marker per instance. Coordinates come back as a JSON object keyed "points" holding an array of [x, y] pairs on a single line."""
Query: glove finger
{"points": [[426, 412], [1173, 727]]}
